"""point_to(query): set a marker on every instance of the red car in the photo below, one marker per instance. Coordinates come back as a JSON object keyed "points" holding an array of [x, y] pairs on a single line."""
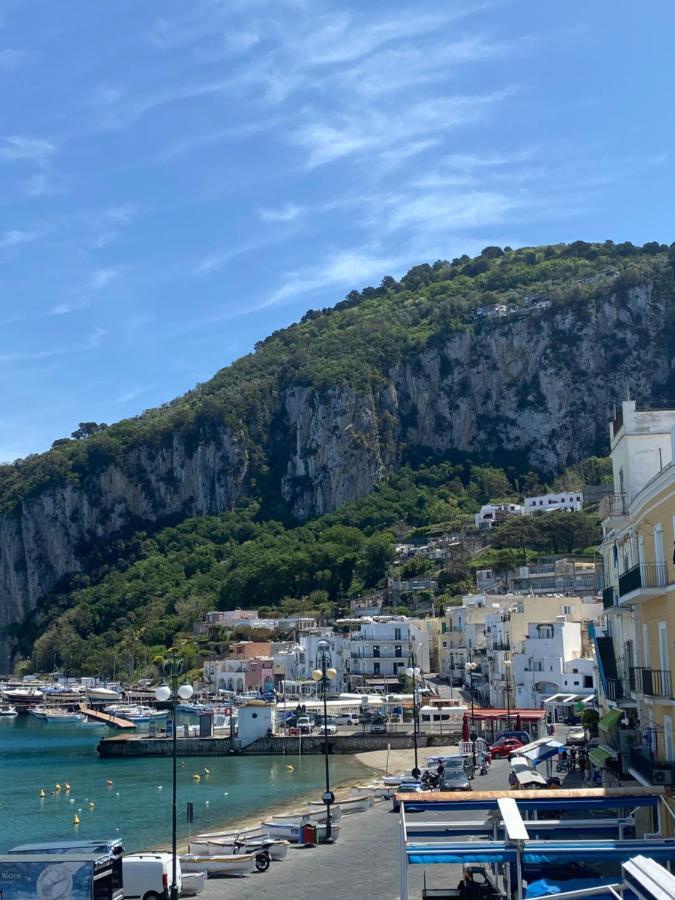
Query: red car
{"points": [[504, 746]]}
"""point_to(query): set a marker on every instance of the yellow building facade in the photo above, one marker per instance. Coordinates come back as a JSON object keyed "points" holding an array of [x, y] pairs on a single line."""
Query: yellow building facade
{"points": [[636, 647]]}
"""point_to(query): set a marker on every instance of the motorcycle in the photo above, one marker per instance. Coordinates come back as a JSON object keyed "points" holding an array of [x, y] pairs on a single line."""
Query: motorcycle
{"points": [[262, 856]]}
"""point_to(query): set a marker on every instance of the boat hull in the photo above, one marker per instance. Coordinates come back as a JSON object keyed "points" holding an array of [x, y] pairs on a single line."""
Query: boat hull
{"points": [[192, 883], [277, 849], [347, 806], [293, 833], [235, 865], [311, 817]]}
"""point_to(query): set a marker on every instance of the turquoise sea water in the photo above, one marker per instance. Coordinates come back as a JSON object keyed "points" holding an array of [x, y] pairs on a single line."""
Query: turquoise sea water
{"points": [[137, 807]]}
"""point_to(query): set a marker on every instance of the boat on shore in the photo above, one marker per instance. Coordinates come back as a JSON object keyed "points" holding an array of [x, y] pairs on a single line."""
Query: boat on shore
{"points": [[294, 832], [311, 816], [234, 864], [277, 848], [347, 805], [192, 883]]}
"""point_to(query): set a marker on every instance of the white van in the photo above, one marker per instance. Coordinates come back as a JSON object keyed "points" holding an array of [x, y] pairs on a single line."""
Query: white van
{"points": [[147, 876], [347, 719]]}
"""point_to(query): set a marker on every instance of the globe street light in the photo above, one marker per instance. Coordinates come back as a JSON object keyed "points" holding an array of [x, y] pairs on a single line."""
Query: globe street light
{"points": [[507, 665], [172, 669], [470, 668], [323, 674], [414, 672]]}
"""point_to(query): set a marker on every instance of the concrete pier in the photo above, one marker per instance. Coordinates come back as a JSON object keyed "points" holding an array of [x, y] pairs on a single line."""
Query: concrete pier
{"points": [[133, 746]]}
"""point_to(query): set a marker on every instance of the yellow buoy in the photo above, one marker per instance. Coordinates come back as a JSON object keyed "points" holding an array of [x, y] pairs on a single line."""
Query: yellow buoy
{"points": [[66, 786], [76, 819], [109, 782], [290, 768], [206, 772], [196, 777], [42, 793], [57, 788]]}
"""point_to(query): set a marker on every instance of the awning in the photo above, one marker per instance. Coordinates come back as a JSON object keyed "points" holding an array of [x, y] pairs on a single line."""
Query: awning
{"points": [[613, 752], [611, 719], [599, 757], [540, 852], [543, 752], [460, 852], [529, 776]]}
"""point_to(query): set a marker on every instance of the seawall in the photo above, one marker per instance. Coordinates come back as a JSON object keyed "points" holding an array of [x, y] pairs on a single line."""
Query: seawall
{"points": [[133, 747]]}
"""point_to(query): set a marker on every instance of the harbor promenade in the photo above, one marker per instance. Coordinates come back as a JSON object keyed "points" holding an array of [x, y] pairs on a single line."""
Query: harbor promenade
{"points": [[363, 863]]}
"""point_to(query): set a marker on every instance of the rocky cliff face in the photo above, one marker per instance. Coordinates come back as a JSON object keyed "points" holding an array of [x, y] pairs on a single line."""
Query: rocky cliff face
{"points": [[536, 387]]}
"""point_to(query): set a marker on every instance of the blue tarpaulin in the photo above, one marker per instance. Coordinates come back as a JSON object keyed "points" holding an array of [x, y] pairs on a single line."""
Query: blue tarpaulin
{"points": [[547, 887], [541, 852], [460, 852]]}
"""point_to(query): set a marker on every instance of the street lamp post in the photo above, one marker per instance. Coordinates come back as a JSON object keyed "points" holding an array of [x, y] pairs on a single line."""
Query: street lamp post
{"points": [[413, 672], [507, 664], [323, 674], [470, 668], [172, 669]]}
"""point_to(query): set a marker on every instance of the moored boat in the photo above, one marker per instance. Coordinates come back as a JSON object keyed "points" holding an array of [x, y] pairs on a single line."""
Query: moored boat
{"points": [[236, 864], [7, 710]]}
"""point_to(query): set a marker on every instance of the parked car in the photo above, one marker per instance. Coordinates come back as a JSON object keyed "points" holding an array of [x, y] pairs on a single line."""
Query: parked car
{"points": [[522, 736], [347, 719], [378, 726], [304, 725], [326, 728], [407, 787], [456, 774], [576, 735], [501, 748], [148, 875]]}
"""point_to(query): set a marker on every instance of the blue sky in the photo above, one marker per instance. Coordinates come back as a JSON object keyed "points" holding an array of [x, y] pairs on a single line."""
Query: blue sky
{"points": [[178, 179]]}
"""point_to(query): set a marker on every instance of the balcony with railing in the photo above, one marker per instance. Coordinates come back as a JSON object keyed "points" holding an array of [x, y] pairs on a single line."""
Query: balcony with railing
{"points": [[615, 689], [613, 506], [644, 575], [608, 597], [651, 682], [645, 765]]}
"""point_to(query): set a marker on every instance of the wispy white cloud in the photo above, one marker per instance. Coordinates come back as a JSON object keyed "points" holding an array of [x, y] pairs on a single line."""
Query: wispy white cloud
{"points": [[90, 341], [289, 212], [134, 391], [85, 294], [343, 268], [20, 147], [328, 140]]}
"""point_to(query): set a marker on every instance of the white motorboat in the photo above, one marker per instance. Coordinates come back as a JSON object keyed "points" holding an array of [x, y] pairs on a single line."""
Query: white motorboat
{"points": [[278, 849], [39, 711], [312, 816], [7, 710], [236, 864], [101, 694], [347, 805], [192, 883], [62, 717], [293, 832], [397, 779], [139, 715]]}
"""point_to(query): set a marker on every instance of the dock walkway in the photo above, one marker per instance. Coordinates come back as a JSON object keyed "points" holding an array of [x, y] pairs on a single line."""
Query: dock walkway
{"points": [[101, 716]]}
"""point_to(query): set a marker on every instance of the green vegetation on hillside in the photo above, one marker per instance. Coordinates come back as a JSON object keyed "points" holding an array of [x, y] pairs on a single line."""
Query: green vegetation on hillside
{"points": [[147, 591], [356, 343]]}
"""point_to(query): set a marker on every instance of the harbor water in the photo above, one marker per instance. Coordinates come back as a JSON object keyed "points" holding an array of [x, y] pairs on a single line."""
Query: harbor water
{"points": [[131, 798]]}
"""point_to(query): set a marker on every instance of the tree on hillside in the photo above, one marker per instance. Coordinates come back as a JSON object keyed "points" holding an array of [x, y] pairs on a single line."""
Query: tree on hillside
{"points": [[87, 429]]}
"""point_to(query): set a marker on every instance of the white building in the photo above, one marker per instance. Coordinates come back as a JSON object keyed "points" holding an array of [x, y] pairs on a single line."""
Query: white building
{"points": [[551, 663], [567, 501], [382, 649], [492, 513]]}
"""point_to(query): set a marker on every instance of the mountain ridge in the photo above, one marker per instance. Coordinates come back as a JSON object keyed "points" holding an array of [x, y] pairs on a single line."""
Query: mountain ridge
{"points": [[323, 410]]}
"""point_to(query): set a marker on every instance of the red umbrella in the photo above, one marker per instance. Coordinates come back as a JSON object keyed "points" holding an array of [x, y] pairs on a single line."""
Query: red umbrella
{"points": [[465, 728], [519, 724]]}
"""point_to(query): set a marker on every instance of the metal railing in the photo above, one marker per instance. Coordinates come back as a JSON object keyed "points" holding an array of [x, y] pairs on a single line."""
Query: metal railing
{"points": [[608, 597], [652, 682], [645, 765], [644, 575], [615, 689], [613, 506]]}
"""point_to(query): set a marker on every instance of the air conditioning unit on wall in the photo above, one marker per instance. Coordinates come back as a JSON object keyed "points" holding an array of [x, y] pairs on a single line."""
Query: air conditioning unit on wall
{"points": [[663, 776]]}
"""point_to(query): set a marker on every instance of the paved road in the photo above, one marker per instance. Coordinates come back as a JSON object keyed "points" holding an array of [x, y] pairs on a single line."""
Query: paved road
{"points": [[363, 863]]}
